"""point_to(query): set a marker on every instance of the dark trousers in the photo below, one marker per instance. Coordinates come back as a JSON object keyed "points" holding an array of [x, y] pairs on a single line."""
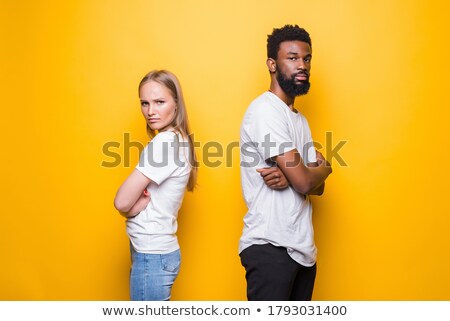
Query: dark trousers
{"points": [[272, 275]]}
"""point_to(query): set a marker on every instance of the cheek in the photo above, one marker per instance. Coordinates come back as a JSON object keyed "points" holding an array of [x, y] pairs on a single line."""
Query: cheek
{"points": [[284, 70], [171, 111]]}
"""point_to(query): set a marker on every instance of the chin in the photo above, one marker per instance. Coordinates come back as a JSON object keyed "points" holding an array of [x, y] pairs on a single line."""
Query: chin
{"points": [[159, 128], [154, 127]]}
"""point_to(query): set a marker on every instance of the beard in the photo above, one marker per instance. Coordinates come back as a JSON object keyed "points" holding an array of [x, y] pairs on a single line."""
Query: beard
{"points": [[290, 85]]}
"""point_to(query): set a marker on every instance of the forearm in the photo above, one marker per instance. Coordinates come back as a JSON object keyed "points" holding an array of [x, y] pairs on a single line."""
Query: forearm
{"points": [[318, 190], [315, 178], [304, 179], [130, 191], [139, 206], [309, 179]]}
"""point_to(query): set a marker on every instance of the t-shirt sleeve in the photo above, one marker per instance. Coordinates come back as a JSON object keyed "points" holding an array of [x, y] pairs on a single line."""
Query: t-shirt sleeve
{"points": [[271, 133], [311, 154], [157, 160]]}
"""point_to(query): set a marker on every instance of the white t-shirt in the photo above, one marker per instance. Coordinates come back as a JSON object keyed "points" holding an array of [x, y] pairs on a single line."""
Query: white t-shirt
{"points": [[165, 162], [279, 217]]}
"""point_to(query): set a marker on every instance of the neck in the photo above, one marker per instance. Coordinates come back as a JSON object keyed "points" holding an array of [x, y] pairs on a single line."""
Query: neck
{"points": [[276, 90]]}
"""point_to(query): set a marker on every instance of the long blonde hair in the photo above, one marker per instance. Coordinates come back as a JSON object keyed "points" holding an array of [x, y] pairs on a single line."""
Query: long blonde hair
{"points": [[180, 123]]}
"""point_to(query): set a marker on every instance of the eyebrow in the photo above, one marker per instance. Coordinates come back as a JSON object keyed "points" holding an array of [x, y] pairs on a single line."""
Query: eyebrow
{"points": [[159, 98], [296, 53]]}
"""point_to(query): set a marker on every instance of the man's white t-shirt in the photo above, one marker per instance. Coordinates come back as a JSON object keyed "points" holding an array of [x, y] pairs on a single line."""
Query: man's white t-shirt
{"points": [[279, 217], [165, 161]]}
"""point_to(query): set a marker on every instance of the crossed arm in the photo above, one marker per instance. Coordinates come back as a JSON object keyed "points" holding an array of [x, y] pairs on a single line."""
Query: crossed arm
{"points": [[290, 170], [132, 196]]}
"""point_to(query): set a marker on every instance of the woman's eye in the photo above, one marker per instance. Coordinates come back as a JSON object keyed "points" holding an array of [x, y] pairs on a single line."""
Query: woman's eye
{"points": [[144, 103], [159, 102]]}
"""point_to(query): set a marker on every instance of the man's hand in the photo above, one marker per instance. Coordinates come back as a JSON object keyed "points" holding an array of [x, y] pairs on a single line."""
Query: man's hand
{"points": [[273, 177]]}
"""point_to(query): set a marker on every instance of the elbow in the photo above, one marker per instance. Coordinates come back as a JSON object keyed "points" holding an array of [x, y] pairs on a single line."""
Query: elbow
{"points": [[317, 192], [121, 205], [304, 187]]}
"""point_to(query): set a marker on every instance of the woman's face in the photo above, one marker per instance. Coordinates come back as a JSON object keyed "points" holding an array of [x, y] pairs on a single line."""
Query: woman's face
{"points": [[157, 105]]}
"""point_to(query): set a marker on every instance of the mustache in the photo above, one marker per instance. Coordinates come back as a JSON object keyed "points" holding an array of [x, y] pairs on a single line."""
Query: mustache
{"points": [[303, 73]]}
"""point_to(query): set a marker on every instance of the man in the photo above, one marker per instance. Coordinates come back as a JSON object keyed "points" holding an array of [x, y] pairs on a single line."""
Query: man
{"points": [[279, 170]]}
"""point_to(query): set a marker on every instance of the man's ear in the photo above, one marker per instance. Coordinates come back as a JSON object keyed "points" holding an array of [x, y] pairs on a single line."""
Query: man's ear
{"points": [[272, 65]]}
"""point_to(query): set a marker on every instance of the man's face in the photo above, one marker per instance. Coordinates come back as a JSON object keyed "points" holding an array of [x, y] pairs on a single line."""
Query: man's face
{"points": [[292, 67]]}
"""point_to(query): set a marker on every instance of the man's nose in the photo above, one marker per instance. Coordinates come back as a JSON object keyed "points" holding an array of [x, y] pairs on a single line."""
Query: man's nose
{"points": [[301, 65]]}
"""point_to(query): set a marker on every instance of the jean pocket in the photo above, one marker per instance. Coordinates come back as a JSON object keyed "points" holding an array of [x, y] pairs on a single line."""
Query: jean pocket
{"points": [[171, 262]]}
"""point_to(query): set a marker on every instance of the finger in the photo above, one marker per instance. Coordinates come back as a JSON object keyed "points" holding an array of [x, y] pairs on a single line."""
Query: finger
{"points": [[267, 171], [271, 176], [262, 171], [272, 182], [277, 186], [280, 186]]}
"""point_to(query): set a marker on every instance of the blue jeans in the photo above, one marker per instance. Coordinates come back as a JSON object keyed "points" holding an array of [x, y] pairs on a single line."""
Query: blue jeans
{"points": [[152, 275]]}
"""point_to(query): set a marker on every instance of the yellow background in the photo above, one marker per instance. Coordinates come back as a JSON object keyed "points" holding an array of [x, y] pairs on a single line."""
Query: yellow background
{"points": [[70, 72]]}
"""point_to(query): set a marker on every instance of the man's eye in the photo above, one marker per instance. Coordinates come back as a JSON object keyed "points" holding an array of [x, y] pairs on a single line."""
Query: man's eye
{"points": [[293, 58]]}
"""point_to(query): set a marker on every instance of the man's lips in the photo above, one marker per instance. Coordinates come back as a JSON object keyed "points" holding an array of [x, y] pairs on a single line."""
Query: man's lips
{"points": [[301, 77]]}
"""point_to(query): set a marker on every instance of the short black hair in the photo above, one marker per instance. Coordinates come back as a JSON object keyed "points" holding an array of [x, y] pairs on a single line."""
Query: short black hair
{"points": [[287, 33]]}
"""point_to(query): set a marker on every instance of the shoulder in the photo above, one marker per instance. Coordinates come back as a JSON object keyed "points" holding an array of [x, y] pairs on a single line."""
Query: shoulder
{"points": [[166, 136], [303, 119], [169, 142], [263, 101], [161, 142], [265, 107]]}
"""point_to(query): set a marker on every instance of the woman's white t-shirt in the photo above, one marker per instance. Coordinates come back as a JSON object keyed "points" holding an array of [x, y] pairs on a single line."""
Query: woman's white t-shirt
{"points": [[165, 160]]}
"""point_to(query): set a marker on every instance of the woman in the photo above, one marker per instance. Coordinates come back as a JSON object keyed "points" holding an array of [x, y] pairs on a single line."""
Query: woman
{"points": [[151, 196]]}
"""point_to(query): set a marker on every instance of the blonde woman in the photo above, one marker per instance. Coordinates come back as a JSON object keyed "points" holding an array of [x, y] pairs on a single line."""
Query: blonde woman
{"points": [[152, 195]]}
